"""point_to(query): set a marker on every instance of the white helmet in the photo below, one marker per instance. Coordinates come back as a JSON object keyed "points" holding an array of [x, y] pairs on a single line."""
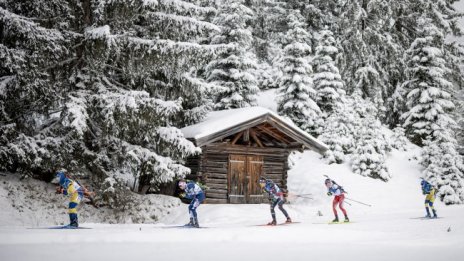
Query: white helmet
{"points": [[182, 184], [328, 183]]}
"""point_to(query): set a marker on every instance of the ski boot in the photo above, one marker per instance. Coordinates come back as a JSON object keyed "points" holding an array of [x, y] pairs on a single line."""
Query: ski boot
{"points": [[346, 219], [428, 213], [289, 220], [434, 213], [272, 223], [195, 223], [190, 224], [73, 220]]}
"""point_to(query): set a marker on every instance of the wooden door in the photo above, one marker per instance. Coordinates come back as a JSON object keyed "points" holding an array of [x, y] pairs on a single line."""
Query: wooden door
{"points": [[244, 173], [254, 172], [237, 174]]}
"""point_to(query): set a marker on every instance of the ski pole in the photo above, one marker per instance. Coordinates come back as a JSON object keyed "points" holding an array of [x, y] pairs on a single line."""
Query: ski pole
{"points": [[298, 195], [359, 202], [301, 196], [307, 196]]}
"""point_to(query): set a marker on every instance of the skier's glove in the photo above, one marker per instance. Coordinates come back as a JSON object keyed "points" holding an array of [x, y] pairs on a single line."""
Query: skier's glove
{"points": [[329, 193]]}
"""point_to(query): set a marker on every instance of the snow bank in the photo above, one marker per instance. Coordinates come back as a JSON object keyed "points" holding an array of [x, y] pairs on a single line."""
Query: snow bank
{"points": [[33, 203]]}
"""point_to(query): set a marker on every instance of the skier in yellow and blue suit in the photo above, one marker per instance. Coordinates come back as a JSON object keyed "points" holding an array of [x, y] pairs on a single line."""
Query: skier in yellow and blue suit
{"points": [[429, 191], [75, 191]]}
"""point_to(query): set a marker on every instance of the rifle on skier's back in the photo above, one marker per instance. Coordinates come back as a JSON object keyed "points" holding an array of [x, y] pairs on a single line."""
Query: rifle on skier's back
{"points": [[344, 191], [339, 186]]}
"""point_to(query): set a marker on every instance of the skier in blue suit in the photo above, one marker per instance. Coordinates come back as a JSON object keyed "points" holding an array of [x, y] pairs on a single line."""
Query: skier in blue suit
{"points": [[197, 196], [276, 198]]}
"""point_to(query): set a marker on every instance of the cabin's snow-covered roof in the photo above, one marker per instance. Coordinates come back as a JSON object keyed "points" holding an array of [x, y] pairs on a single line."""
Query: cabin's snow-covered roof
{"points": [[218, 121]]}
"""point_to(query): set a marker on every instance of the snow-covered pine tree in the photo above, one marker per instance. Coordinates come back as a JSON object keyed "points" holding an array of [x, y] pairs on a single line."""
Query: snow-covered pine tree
{"points": [[31, 50], [267, 76], [445, 16], [296, 95], [367, 80], [369, 156], [396, 106], [97, 89], [367, 47], [460, 122], [339, 131], [268, 23], [232, 71], [321, 14], [268, 27], [372, 145], [406, 15], [431, 104], [327, 80], [444, 168], [399, 139], [429, 97]]}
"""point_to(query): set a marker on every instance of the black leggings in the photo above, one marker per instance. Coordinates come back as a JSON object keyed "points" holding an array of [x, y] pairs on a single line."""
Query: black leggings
{"points": [[274, 203]]}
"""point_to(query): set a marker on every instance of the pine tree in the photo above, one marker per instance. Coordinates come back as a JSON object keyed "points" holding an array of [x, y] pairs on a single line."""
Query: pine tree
{"points": [[232, 71], [460, 121], [367, 48], [369, 157], [372, 145], [296, 95], [399, 139], [407, 15], [445, 17], [429, 98], [96, 89], [267, 76], [431, 103], [268, 23], [444, 168], [268, 27], [327, 80], [339, 131]]}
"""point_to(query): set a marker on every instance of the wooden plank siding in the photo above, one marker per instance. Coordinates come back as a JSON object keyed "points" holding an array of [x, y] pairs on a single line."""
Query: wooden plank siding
{"points": [[212, 168]]}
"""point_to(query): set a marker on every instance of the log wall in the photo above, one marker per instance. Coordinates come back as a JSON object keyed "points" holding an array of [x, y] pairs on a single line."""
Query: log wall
{"points": [[211, 168]]}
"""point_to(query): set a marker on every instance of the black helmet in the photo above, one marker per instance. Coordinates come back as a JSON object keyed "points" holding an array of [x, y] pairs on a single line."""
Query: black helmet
{"points": [[262, 180]]}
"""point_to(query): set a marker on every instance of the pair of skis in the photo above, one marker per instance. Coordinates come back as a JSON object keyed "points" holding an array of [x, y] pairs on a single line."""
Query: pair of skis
{"points": [[279, 224], [61, 227], [187, 226], [426, 218]]}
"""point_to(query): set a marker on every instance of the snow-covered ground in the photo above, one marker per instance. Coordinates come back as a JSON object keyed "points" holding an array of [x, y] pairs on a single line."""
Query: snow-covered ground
{"points": [[389, 230], [386, 231]]}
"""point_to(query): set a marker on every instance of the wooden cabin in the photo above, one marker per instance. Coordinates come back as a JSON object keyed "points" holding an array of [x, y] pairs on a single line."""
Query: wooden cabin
{"points": [[241, 145]]}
